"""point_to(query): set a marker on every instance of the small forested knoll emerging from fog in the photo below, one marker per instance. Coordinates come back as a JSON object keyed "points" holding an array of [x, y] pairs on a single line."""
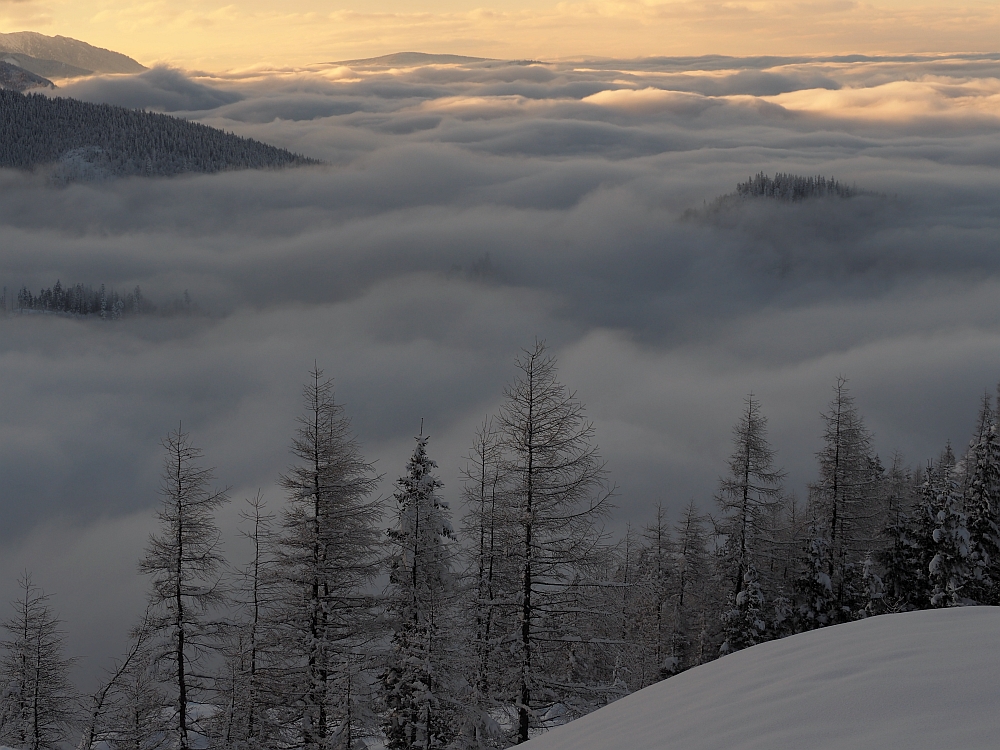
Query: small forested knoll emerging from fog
{"points": [[781, 189], [793, 187], [96, 141]]}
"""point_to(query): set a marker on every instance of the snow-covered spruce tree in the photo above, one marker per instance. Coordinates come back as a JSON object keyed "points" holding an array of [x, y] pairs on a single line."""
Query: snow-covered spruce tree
{"points": [[184, 564], [747, 499], [981, 501], [37, 702], [423, 683], [905, 557], [948, 570], [328, 552], [744, 624], [844, 502], [558, 497], [816, 605]]}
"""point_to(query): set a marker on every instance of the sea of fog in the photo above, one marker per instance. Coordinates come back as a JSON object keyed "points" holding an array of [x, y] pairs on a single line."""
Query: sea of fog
{"points": [[464, 211]]}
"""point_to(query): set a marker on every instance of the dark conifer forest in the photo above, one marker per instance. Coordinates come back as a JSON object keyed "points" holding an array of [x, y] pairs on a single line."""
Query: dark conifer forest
{"points": [[93, 141]]}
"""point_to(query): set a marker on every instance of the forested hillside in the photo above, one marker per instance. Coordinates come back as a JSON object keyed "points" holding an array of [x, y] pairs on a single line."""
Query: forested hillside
{"points": [[91, 141], [15, 78]]}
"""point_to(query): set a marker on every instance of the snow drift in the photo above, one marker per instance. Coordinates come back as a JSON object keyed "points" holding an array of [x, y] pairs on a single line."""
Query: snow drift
{"points": [[916, 680]]}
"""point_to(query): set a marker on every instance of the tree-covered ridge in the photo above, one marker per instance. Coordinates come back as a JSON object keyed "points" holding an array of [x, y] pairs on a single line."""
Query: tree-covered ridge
{"points": [[90, 141], [15, 78], [793, 187]]}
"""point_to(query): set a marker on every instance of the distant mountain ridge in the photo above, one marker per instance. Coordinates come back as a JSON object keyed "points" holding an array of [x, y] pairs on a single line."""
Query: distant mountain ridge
{"points": [[62, 57], [412, 58], [81, 141]]}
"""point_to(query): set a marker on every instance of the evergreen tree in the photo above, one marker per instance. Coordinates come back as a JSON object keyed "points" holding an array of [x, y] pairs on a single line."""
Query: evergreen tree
{"points": [[748, 497], [745, 622], [981, 496], [689, 594], [421, 682], [844, 502], [816, 603], [948, 569], [244, 721], [557, 499], [36, 704], [184, 563], [657, 578], [328, 554]]}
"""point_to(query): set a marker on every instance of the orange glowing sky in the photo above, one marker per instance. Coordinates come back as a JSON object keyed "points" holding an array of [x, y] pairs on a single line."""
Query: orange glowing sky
{"points": [[217, 35]]}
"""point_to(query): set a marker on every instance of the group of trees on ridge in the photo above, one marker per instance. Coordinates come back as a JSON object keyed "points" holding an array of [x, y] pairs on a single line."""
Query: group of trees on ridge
{"points": [[522, 616], [793, 187], [83, 300]]}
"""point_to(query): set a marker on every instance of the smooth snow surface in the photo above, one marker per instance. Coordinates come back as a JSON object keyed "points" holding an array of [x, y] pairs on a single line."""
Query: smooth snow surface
{"points": [[914, 681]]}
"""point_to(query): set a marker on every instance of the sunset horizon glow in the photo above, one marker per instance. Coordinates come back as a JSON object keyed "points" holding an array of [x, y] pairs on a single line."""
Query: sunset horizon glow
{"points": [[211, 35]]}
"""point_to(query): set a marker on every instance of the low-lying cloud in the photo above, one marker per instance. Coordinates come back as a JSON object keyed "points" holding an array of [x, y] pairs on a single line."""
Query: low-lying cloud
{"points": [[463, 211]]}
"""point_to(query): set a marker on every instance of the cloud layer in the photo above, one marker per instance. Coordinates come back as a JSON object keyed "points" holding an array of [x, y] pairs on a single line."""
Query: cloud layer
{"points": [[464, 211]]}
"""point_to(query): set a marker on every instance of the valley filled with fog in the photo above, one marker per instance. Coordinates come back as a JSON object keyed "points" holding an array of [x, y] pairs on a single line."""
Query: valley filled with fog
{"points": [[465, 209]]}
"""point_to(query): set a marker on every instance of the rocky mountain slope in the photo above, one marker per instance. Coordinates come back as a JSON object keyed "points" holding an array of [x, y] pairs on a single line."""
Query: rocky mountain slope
{"points": [[60, 56]]}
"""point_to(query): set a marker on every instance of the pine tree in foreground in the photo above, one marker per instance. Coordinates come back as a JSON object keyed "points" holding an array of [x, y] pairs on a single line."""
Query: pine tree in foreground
{"points": [[748, 497], [980, 502], [328, 552], [243, 720], [557, 500], [744, 623], [184, 564]]}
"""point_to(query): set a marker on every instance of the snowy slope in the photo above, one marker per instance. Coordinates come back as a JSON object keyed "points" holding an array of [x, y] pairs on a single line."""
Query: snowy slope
{"points": [[914, 681]]}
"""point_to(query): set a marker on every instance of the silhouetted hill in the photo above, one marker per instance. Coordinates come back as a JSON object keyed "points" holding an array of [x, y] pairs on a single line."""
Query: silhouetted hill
{"points": [[412, 58]]}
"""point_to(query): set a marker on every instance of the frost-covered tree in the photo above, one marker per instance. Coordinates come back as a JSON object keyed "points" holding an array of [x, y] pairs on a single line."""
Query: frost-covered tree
{"points": [[328, 553], [422, 682], [980, 503], [690, 597], [949, 565], [816, 604], [243, 719], [184, 563], [126, 711], [484, 500], [558, 496], [656, 575], [748, 498], [37, 701], [844, 501], [744, 624]]}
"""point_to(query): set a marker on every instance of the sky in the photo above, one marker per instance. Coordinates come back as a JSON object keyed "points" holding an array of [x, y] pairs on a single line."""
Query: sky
{"points": [[461, 213], [220, 35]]}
